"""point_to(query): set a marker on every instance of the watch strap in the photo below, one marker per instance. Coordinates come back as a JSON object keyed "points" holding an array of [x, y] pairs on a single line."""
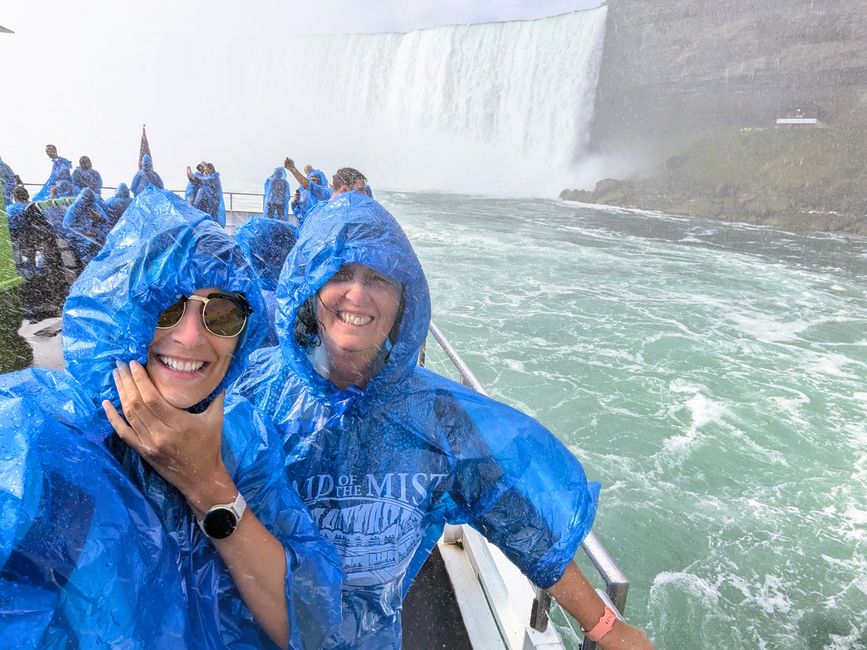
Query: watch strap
{"points": [[603, 625]]}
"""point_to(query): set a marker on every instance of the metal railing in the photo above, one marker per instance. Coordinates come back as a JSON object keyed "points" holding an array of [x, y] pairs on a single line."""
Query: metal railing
{"points": [[616, 582], [228, 197]]}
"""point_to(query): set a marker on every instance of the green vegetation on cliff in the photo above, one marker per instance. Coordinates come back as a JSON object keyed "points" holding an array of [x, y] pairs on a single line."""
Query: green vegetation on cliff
{"points": [[800, 178]]}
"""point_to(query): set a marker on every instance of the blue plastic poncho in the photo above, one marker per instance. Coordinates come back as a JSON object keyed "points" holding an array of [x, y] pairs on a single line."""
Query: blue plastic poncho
{"points": [[64, 188], [276, 202], [209, 196], [384, 467], [145, 176], [266, 244], [316, 192], [116, 205], [190, 190], [89, 222], [60, 170], [82, 178], [13, 218], [84, 559], [54, 213], [162, 248]]}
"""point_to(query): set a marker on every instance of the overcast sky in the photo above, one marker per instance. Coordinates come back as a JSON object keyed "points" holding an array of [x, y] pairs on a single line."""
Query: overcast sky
{"points": [[269, 17]]}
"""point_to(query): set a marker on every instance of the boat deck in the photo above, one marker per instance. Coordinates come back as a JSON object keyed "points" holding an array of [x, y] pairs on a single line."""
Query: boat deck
{"points": [[431, 615]]}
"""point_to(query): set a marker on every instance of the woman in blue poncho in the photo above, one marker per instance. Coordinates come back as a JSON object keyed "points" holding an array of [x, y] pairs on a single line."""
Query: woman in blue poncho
{"points": [[221, 551], [384, 452], [314, 189], [86, 176], [208, 194], [145, 176], [88, 224], [276, 202], [116, 205]]}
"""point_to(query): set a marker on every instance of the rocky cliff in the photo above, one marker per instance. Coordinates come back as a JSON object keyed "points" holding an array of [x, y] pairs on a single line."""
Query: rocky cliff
{"points": [[690, 90], [795, 178], [672, 69]]}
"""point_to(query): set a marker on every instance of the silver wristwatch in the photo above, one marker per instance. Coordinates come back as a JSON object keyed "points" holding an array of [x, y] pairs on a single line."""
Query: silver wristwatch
{"points": [[221, 520]]}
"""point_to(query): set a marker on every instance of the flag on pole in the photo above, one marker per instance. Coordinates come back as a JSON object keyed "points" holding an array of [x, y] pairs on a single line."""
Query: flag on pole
{"points": [[145, 148]]}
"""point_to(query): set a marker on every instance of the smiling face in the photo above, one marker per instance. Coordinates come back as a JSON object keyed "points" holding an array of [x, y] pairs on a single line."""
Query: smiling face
{"points": [[356, 310], [186, 362]]}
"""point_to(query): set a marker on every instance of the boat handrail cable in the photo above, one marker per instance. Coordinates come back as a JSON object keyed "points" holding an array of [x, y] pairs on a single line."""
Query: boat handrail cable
{"points": [[616, 582]]}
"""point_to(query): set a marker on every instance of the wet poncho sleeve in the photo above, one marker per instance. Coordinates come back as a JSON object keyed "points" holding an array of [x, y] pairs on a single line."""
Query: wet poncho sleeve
{"points": [[84, 561], [516, 484]]}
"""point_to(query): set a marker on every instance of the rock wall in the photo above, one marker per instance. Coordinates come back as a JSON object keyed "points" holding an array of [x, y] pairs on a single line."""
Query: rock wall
{"points": [[673, 69]]}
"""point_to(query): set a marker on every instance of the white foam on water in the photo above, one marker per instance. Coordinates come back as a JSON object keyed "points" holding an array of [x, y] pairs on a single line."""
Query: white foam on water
{"points": [[703, 411], [792, 408], [514, 364], [832, 364], [769, 596], [851, 641], [766, 328], [693, 585]]}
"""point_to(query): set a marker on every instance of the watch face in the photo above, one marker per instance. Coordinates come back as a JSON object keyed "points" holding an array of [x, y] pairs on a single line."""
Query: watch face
{"points": [[219, 523]]}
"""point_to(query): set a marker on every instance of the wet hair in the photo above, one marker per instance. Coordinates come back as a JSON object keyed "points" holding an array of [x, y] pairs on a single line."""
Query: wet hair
{"points": [[306, 327], [349, 176], [20, 194]]}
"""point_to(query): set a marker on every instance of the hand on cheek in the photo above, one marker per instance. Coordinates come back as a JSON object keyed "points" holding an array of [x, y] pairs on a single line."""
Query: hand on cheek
{"points": [[184, 448]]}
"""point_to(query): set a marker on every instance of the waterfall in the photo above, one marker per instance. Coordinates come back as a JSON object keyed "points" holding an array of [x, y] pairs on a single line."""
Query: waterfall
{"points": [[498, 108]]}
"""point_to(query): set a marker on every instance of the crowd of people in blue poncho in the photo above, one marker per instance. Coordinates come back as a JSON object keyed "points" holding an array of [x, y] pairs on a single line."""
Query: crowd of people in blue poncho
{"points": [[242, 451]]}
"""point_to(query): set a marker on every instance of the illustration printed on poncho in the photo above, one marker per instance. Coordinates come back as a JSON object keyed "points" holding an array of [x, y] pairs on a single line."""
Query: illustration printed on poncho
{"points": [[375, 521]]}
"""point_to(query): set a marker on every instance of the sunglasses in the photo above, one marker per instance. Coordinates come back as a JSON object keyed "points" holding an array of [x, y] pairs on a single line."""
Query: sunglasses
{"points": [[222, 314]]}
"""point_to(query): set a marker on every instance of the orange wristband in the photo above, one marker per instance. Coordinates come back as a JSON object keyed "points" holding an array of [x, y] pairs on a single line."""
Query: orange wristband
{"points": [[603, 625]]}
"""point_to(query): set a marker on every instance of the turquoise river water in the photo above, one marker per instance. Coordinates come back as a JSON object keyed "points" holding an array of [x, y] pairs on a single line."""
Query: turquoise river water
{"points": [[710, 375]]}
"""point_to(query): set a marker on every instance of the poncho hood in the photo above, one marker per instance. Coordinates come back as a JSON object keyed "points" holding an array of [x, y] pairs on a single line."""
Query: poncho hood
{"points": [[160, 250], [353, 228], [318, 176]]}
